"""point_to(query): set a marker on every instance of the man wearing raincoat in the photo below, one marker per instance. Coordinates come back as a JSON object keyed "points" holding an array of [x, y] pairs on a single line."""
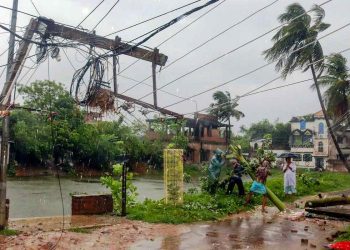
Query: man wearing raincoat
{"points": [[214, 170]]}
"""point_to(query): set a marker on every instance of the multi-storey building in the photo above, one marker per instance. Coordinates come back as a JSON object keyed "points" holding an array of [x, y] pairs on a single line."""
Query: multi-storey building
{"points": [[309, 140], [204, 132]]}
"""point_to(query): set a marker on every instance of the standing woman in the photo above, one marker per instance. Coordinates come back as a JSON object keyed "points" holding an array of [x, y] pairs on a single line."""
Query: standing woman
{"points": [[289, 170]]}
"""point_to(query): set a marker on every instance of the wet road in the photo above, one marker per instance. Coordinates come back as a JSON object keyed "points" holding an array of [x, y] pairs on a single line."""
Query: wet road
{"points": [[255, 231], [243, 231]]}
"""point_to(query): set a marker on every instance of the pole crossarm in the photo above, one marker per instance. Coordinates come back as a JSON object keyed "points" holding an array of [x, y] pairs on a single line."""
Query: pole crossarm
{"points": [[73, 34], [147, 105], [18, 62]]}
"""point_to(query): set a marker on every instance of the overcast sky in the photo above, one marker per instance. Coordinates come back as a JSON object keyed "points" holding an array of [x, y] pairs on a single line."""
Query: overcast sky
{"points": [[275, 105]]}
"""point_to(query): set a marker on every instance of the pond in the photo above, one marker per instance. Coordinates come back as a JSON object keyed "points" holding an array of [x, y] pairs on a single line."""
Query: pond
{"points": [[40, 196]]}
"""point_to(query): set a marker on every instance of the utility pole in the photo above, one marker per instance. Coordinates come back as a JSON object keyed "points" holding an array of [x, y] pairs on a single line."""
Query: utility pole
{"points": [[154, 77], [5, 123]]}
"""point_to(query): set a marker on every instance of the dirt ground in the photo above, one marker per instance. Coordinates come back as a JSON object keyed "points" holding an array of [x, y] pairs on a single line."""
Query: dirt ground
{"points": [[252, 230]]}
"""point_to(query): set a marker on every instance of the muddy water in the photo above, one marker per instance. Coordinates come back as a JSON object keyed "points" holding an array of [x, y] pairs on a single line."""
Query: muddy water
{"points": [[40, 196], [247, 231]]}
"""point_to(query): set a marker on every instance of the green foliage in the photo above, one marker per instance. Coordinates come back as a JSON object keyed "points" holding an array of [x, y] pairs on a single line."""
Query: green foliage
{"points": [[293, 35], [196, 207], [203, 206], [279, 132], [115, 185], [8, 232], [224, 107], [337, 81], [80, 230], [36, 135], [344, 236], [308, 180], [243, 141], [328, 182]]}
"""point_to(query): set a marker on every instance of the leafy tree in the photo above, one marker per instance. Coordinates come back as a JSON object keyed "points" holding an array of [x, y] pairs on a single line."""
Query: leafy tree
{"points": [[337, 82], [259, 129], [296, 47], [280, 135], [225, 108]]}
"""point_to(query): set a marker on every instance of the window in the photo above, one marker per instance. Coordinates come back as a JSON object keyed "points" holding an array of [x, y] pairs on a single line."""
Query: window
{"points": [[297, 157], [302, 124], [320, 146], [321, 128], [307, 157]]}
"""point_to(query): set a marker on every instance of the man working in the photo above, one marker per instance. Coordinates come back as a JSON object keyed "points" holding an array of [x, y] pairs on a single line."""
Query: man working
{"points": [[214, 170], [236, 178]]}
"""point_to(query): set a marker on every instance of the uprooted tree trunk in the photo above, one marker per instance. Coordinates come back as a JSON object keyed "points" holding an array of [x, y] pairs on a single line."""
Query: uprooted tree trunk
{"points": [[331, 201], [273, 198]]}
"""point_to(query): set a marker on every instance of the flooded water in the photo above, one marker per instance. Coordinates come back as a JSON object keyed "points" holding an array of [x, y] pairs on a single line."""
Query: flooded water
{"points": [[40, 196]]}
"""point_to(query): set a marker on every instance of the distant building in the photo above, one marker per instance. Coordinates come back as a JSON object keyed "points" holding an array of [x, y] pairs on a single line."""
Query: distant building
{"points": [[309, 140], [204, 132]]}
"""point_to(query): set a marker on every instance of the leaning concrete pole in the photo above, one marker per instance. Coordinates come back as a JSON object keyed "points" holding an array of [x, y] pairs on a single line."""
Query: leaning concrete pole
{"points": [[5, 123]]}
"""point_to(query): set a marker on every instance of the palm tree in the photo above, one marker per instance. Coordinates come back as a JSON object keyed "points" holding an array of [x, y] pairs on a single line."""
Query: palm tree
{"points": [[337, 81], [224, 108], [292, 52]]}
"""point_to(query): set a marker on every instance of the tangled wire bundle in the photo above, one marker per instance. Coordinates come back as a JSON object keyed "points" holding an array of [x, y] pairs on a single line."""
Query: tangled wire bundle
{"points": [[91, 93]]}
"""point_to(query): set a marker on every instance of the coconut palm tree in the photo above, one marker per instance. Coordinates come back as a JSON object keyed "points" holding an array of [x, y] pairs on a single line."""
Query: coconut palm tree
{"points": [[292, 51], [224, 108], [337, 82]]}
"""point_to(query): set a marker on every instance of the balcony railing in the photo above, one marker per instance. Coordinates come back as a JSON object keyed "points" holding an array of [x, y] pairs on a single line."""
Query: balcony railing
{"points": [[309, 145]]}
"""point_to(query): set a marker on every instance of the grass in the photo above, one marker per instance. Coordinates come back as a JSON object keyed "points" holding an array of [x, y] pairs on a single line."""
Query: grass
{"points": [[8, 232], [196, 207], [344, 236], [80, 230], [328, 182], [204, 207]]}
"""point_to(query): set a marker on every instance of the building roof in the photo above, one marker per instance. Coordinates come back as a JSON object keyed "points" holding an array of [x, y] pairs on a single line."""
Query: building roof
{"points": [[319, 114], [309, 117]]}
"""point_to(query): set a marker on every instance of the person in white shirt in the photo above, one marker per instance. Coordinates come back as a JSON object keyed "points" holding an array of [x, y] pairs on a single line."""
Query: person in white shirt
{"points": [[289, 170]]}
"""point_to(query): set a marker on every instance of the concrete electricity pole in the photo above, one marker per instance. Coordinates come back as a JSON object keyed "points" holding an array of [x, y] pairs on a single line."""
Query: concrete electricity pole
{"points": [[5, 124]]}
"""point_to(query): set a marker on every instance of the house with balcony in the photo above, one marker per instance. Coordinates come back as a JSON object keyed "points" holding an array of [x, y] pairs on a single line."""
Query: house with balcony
{"points": [[205, 134], [309, 140]]}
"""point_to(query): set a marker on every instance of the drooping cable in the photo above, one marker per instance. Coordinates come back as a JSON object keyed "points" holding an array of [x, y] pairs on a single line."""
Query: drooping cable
{"points": [[258, 68], [227, 53], [152, 18], [252, 92], [166, 40], [53, 143], [204, 43]]}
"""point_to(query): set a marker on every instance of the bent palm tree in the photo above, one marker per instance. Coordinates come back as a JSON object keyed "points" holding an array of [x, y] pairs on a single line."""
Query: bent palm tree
{"points": [[224, 108], [296, 47], [337, 80]]}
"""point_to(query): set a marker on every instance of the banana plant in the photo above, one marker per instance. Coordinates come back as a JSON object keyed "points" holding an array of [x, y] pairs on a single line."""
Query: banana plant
{"points": [[236, 152]]}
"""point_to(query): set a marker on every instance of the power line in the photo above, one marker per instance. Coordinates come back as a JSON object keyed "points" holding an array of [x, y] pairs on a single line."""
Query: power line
{"points": [[170, 37], [31, 15], [90, 13], [207, 41], [106, 14], [152, 18], [229, 52], [252, 92], [35, 7], [19, 11]]}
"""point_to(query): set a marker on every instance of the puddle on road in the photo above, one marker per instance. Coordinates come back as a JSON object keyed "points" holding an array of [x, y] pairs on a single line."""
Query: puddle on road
{"points": [[247, 231]]}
